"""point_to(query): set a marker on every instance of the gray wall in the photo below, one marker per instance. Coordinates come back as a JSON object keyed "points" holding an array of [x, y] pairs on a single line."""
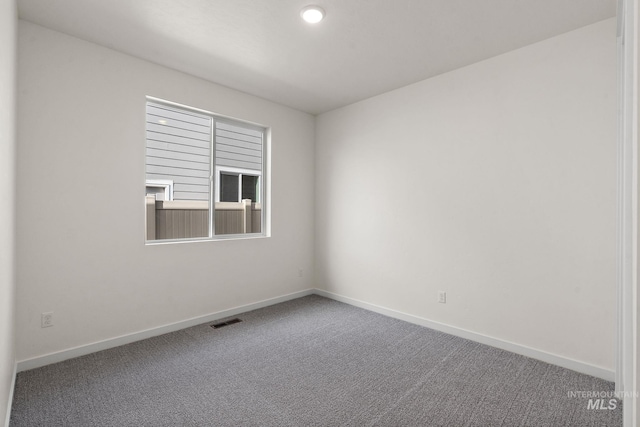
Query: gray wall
{"points": [[8, 19], [500, 190], [84, 256]]}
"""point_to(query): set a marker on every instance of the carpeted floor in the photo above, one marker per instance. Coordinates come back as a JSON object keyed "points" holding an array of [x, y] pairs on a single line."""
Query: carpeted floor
{"points": [[307, 362]]}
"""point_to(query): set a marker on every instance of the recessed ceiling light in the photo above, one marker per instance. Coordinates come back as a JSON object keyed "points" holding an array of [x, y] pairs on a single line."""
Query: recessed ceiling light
{"points": [[312, 14]]}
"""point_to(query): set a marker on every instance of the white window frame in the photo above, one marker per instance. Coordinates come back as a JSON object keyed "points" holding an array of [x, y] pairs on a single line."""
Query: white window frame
{"points": [[237, 171], [167, 184], [264, 198]]}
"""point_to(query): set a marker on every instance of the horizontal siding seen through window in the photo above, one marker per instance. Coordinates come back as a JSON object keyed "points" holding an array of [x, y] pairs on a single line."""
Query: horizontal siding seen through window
{"points": [[178, 149]]}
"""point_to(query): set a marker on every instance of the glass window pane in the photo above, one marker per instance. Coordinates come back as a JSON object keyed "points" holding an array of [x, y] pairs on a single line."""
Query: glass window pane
{"points": [[229, 187], [239, 152], [250, 187], [178, 150]]}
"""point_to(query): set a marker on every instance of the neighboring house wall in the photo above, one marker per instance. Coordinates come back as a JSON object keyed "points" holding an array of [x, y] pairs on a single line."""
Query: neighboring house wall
{"points": [[179, 150], [238, 147], [83, 255], [8, 19], [500, 189]]}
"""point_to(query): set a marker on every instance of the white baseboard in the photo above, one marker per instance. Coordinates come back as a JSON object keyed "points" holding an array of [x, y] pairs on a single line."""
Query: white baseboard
{"points": [[543, 356], [551, 358], [10, 400], [48, 359]]}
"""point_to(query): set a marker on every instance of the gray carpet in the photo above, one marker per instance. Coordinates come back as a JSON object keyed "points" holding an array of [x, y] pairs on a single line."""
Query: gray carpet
{"points": [[307, 362]]}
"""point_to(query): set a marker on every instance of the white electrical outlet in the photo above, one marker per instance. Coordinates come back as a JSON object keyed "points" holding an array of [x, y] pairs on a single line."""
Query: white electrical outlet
{"points": [[46, 319], [442, 297]]}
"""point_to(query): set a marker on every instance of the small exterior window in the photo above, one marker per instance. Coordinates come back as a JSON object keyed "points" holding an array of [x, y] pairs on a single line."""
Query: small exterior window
{"points": [[204, 175], [161, 189], [235, 186]]}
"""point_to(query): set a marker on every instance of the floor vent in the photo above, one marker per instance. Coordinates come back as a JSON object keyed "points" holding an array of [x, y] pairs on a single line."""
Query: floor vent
{"points": [[228, 322]]}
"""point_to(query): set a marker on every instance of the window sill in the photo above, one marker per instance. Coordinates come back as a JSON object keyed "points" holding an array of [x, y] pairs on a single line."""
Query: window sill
{"points": [[221, 238]]}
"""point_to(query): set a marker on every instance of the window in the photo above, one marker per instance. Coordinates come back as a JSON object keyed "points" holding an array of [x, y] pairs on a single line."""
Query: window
{"points": [[204, 174], [161, 189], [236, 185]]}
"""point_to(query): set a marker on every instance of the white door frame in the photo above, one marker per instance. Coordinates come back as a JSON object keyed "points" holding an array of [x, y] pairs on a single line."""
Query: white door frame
{"points": [[627, 371]]}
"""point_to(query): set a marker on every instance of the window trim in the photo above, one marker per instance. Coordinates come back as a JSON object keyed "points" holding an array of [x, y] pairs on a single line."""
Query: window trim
{"points": [[264, 175], [167, 184]]}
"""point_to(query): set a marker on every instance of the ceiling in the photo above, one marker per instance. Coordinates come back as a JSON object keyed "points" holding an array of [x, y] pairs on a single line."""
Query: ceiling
{"points": [[361, 49]]}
